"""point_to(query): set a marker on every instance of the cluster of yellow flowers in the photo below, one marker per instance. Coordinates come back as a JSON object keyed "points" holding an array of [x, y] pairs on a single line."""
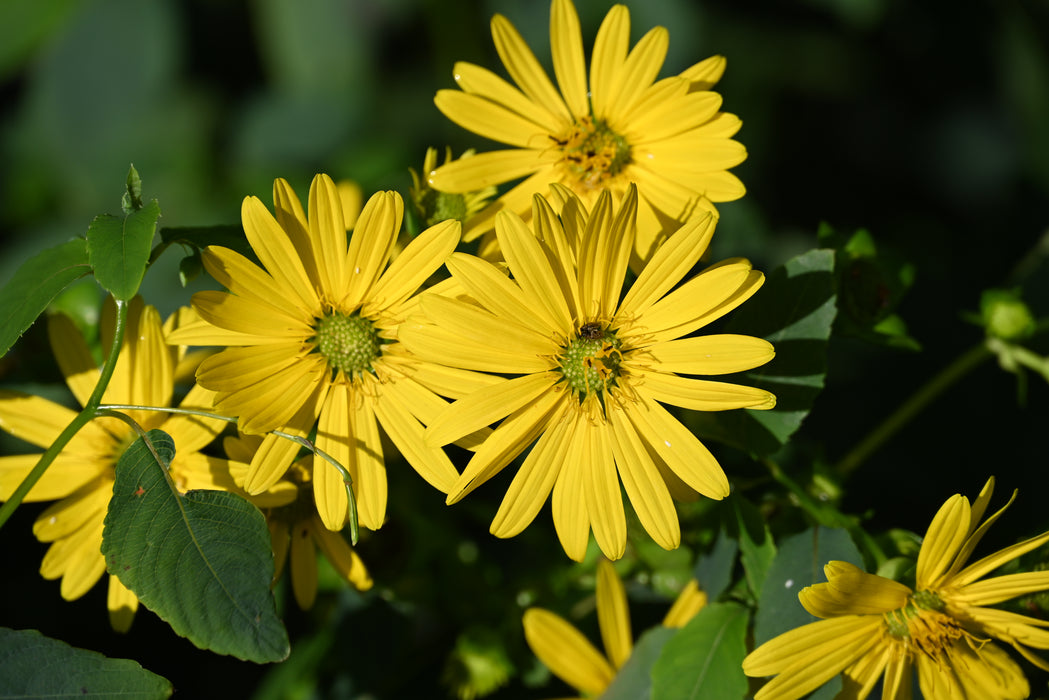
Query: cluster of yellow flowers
{"points": [[561, 339]]}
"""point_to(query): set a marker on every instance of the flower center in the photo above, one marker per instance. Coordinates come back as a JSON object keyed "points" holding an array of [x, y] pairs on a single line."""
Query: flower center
{"points": [[923, 627], [349, 343], [593, 153], [436, 207], [590, 361]]}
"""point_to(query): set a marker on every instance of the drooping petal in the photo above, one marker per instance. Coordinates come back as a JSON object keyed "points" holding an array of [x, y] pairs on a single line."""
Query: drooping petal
{"points": [[342, 557], [303, 565], [613, 615], [81, 508], [566, 652], [73, 357], [121, 604], [851, 591]]}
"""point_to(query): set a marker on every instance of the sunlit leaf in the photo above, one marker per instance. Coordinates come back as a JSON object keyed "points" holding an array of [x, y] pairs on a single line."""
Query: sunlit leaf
{"points": [[794, 310], [633, 681], [35, 666], [799, 563], [714, 570], [756, 548], [118, 249], [201, 561], [704, 659], [35, 284]]}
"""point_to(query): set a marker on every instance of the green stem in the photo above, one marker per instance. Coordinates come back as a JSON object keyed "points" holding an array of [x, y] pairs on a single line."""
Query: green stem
{"points": [[925, 395], [347, 480], [79, 421]]}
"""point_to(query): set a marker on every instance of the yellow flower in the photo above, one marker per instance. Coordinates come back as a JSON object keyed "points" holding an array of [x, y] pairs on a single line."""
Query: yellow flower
{"points": [[81, 477], [594, 370], [875, 628], [296, 528], [432, 207], [311, 338], [618, 127], [571, 657]]}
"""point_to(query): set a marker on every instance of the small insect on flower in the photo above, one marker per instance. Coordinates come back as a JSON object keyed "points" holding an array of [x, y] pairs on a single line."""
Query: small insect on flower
{"points": [[591, 331]]}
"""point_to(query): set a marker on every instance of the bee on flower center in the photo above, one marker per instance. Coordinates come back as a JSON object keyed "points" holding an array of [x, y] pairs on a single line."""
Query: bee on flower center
{"points": [[591, 331]]}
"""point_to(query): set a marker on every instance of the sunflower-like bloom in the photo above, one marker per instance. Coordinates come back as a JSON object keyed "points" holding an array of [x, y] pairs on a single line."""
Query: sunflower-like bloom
{"points": [[81, 477], [620, 126], [432, 206], [571, 657], [311, 338], [295, 528], [875, 628], [594, 370]]}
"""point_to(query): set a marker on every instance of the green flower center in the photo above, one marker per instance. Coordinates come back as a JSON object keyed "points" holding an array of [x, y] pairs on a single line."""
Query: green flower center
{"points": [[349, 343], [593, 153], [434, 207], [590, 361]]}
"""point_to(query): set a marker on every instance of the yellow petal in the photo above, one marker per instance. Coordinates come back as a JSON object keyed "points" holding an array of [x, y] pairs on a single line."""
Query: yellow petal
{"points": [[79, 558], [533, 273], [610, 50], [702, 394], [534, 480], [711, 354], [496, 292], [643, 484], [852, 591], [613, 615], [487, 406], [439, 379], [419, 259], [684, 157], [192, 433], [1008, 626], [518, 200], [406, 433], [275, 454], [670, 263], [483, 327], [946, 534], [566, 45], [367, 466], [271, 404], [525, 70], [594, 250], [73, 356], [688, 603], [87, 505], [248, 316], [287, 210], [34, 419], [492, 120], [705, 74], [327, 231], [122, 605], [239, 368], [995, 590], [244, 278], [335, 439], [675, 117], [303, 564], [569, 504], [342, 557], [484, 83], [566, 652], [489, 169], [601, 486], [679, 448], [200, 332], [435, 344], [276, 251], [65, 475], [517, 431], [370, 248], [641, 67], [977, 533]]}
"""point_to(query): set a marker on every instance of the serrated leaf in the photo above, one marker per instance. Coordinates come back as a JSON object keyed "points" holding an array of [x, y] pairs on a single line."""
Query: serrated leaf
{"points": [[794, 310], [714, 570], [118, 249], [35, 284], [35, 666], [756, 548], [799, 563], [633, 680], [201, 560], [705, 658]]}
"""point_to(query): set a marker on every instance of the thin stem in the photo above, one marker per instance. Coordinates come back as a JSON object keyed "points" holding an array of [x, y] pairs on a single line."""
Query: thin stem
{"points": [[925, 395], [347, 480], [78, 422]]}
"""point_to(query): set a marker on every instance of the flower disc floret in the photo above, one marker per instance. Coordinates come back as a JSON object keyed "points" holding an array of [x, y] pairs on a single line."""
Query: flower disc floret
{"points": [[349, 343], [591, 365]]}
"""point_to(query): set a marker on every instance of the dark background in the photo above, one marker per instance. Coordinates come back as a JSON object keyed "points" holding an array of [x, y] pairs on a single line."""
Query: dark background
{"points": [[925, 122]]}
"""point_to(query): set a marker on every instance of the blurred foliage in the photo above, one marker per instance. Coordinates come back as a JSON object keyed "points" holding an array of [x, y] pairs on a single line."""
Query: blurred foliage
{"points": [[866, 114]]}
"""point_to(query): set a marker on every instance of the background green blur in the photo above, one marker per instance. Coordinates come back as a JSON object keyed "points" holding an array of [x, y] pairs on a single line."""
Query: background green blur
{"points": [[925, 122]]}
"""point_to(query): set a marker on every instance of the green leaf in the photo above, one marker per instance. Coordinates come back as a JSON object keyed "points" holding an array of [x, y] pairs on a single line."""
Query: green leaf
{"points": [[118, 249], [799, 563], [705, 658], [714, 570], [633, 681], [201, 561], [29, 663], [35, 284], [794, 310], [756, 548]]}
